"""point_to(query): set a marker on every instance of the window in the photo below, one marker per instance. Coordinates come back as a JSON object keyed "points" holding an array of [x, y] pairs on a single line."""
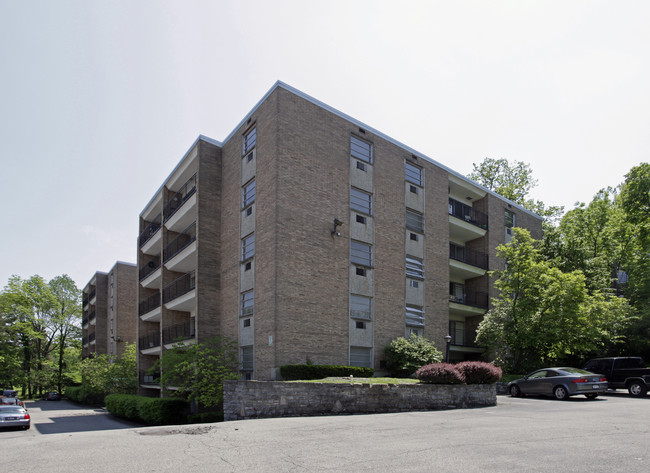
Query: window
{"points": [[414, 220], [249, 141], [410, 331], [247, 304], [457, 332], [361, 356], [361, 272], [360, 201], [509, 224], [360, 324], [413, 174], [414, 284], [456, 292], [413, 189], [248, 247], [361, 219], [414, 316], [360, 149], [360, 307], [247, 322], [247, 358], [360, 253], [414, 267], [248, 194], [414, 236], [361, 166]]}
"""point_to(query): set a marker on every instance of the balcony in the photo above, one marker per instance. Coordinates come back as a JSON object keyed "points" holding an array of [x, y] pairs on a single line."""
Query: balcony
{"points": [[466, 302], [180, 294], [91, 338], [149, 309], [179, 332], [179, 254], [91, 296], [84, 322], [176, 214], [91, 318], [466, 263], [150, 236], [149, 379], [151, 272], [149, 344], [466, 223]]}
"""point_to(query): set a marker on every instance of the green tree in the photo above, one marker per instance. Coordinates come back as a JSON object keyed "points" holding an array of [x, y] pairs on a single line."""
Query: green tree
{"points": [[543, 315], [198, 370], [110, 374], [65, 322], [405, 355]]}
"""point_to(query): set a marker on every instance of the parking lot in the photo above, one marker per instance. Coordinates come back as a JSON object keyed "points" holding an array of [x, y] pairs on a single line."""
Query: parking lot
{"points": [[519, 434]]}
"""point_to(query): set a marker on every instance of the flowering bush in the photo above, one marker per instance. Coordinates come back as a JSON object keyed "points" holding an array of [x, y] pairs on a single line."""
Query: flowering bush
{"points": [[440, 373], [479, 372]]}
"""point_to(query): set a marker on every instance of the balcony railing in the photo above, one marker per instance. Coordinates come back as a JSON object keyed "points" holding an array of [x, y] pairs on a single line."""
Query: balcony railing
{"points": [[460, 295], [91, 316], [468, 213], [150, 230], [463, 338], [178, 244], [92, 294], [149, 378], [150, 303], [180, 286], [84, 321], [149, 267], [178, 199], [150, 340], [91, 337], [468, 255], [178, 332], [85, 301], [84, 341]]}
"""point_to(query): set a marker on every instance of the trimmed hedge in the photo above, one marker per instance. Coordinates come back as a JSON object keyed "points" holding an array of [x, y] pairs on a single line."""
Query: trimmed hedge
{"points": [[479, 372], [296, 372], [440, 373], [150, 410], [83, 395], [205, 418]]}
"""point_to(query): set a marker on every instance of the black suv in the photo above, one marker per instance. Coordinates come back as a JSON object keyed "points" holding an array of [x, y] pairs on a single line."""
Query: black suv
{"points": [[623, 373]]}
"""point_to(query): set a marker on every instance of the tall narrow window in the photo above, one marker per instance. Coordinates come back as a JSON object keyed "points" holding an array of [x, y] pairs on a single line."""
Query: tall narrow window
{"points": [[413, 174], [247, 304], [247, 358], [510, 222], [414, 221], [360, 201], [248, 194], [360, 253], [248, 247], [249, 141], [361, 356], [360, 307], [360, 149]]}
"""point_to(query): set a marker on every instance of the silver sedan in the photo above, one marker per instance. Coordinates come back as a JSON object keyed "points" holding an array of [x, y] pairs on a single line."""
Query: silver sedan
{"points": [[14, 416], [560, 383]]}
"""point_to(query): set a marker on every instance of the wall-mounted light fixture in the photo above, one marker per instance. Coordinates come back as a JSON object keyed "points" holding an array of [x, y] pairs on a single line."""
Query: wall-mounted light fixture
{"points": [[335, 230]]}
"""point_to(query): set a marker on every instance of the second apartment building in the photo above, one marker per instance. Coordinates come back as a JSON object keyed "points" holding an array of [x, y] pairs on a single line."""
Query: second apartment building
{"points": [[309, 237]]}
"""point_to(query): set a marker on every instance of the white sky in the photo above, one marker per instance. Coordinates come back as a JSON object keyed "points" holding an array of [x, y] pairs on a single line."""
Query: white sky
{"points": [[100, 99]]}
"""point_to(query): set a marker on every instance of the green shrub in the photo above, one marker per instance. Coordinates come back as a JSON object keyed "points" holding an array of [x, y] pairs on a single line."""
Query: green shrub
{"points": [[405, 356], [205, 418], [295, 372], [150, 410], [479, 372], [440, 373], [84, 395]]}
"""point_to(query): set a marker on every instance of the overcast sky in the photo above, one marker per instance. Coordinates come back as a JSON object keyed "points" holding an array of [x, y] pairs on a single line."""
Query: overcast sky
{"points": [[100, 99]]}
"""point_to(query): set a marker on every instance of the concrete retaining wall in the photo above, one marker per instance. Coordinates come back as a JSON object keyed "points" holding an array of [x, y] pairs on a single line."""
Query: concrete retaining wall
{"points": [[258, 399]]}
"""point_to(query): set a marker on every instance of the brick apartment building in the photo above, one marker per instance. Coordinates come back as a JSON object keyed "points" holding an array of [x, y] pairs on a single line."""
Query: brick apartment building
{"points": [[109, 311], [308, 236]]}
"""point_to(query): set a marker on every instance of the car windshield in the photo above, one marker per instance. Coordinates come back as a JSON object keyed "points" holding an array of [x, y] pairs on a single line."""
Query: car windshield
{"points": [[11, 410], [575, 371]]}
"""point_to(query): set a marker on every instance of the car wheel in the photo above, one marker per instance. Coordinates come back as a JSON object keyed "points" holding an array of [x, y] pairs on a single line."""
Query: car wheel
{"points": [[636, 389], [515, 391], [560, 393], [591, 396]]}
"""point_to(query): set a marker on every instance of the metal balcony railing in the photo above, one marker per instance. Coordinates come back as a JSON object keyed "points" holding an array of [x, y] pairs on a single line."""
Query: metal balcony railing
{"points": [[92, 294], [150, 303], [91, 337], [468, 255], [178, 199], [91, 316], [84, 321], [149, 267], [178, 244], [178, 287], [149, 378], [468, 214], [178, 332], [85, 300], [460, 295], [150, 340], [150, 230], [463, 338]]}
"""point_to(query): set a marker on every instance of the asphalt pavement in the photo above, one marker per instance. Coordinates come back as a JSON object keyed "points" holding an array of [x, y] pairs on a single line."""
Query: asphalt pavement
{"points": [[519, 434]]}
